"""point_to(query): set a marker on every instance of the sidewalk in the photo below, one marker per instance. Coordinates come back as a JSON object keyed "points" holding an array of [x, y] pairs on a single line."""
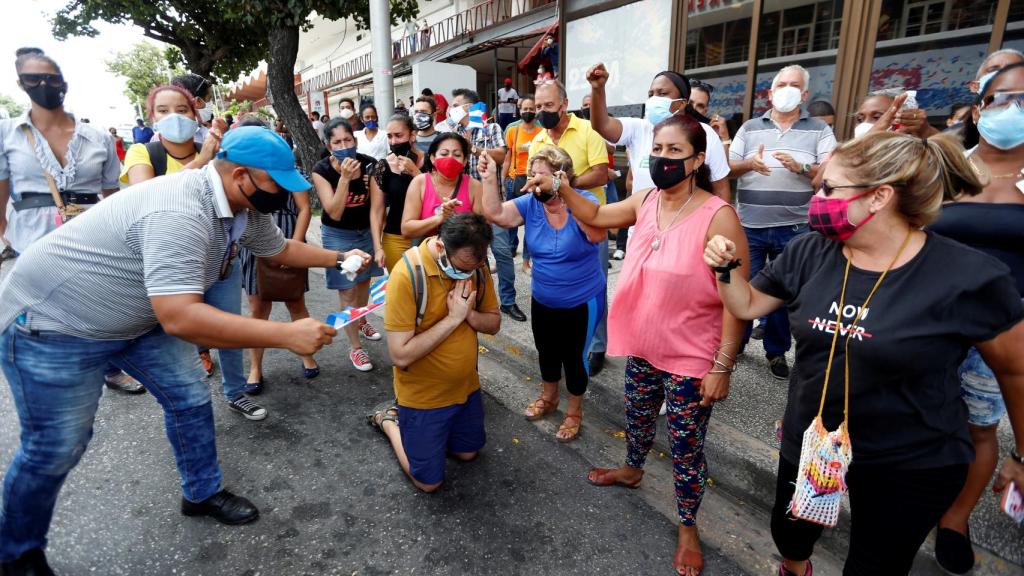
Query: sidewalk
{"points": [[740, 445]]}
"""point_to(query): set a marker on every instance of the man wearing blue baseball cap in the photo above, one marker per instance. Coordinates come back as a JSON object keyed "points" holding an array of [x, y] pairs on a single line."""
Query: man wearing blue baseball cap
{"points": [[123, 283]]}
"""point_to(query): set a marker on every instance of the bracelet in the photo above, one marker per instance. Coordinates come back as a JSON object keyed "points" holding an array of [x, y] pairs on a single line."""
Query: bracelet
{"points": [[727, 142], [723, 271], [1016, 456], [556, 183]]}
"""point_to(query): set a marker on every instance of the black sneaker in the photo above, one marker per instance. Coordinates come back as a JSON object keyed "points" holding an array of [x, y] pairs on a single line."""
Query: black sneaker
{"points": [[248, 408], [31, 563], [778, 367], [758, 332], [596, 363], [953, 551], [224, 507]]}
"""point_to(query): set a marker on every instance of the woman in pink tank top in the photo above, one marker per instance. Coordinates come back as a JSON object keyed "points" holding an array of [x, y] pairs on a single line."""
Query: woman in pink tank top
{"points": [[667, 317], [443, 189]]}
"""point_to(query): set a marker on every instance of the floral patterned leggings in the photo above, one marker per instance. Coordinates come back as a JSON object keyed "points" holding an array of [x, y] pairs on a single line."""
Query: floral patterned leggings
{"points": [[646, 388]]}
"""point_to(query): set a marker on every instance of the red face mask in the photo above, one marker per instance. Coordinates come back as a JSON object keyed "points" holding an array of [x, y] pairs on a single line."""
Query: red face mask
{"points": [[448, 166], [831, 216]]}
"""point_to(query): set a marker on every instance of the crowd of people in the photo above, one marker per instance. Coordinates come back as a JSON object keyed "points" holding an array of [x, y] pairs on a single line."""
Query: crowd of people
{"points": [[889, 258]]}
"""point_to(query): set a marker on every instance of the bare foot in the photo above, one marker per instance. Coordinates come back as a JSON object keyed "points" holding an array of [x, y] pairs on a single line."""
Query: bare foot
{"points": [[624, 476], [689, 559]]}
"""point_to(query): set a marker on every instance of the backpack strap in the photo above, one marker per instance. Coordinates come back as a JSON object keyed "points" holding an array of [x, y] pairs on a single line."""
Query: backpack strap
{"points": [[419, 282], [481, 288], [157, 156]]}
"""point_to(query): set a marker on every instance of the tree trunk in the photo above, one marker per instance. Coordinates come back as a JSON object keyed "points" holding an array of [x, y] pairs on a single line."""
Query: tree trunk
{"points": [[284, 47]]}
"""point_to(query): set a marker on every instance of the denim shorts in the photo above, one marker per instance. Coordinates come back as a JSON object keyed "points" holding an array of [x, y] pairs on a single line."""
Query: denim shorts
{"points": [[342, 241], [428, 436], [979, 389]]}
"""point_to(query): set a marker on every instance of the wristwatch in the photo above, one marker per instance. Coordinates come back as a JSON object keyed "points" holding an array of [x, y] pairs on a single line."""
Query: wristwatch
{"points": [[341, 259], [805, 169]]}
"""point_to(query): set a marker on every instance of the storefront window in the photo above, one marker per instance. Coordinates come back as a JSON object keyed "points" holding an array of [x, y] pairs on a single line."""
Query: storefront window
{"points": [[932, 46], [717, 47], [1014, 37]]}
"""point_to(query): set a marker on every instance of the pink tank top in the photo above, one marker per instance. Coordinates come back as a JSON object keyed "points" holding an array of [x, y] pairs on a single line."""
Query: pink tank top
{"points": [[666, 308], [431, 201]]}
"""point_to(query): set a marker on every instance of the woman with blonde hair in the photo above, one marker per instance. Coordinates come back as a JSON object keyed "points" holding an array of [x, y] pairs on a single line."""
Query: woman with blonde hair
{"points": [[568, 293], [883, 312]]}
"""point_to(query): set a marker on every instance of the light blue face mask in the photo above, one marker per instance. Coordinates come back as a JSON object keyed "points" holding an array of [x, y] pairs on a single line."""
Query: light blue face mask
{"points": [[177, 128], [1003, 127], [658, 108], [984, 80], [451, 271]]}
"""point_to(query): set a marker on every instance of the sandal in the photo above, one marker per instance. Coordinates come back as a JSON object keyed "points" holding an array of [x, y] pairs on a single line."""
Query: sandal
{"points": [[808, 571], [571, 432], [602, 477], [540, 408], [383, 412], [686, 558]]}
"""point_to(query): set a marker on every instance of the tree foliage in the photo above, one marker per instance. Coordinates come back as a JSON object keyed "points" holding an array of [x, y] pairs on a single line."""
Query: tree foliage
{"points": [[142, 67], [13, 108]]}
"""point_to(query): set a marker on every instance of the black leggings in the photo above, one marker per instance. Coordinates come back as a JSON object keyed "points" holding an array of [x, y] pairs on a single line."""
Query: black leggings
{"points": [[563, 337], [892, 511]]}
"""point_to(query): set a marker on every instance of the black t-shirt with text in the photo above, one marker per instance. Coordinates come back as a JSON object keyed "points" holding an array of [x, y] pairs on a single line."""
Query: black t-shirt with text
{"points": [[357, 208], [905, 405]]}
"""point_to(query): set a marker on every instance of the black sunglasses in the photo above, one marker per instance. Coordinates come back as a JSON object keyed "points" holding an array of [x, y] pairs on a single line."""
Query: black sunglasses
{"points": [[828, 188], [702, 85], [29, 80]]}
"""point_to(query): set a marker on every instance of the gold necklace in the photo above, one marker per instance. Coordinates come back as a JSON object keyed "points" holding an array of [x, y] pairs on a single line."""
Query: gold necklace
{"points": [[658, 233]]}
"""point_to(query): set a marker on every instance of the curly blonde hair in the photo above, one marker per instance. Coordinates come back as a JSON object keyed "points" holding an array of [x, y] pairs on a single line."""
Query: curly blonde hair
{"points": [[556, 158]]}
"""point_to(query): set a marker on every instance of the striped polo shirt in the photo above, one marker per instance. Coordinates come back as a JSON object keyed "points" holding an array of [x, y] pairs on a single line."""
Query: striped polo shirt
{"points": [[782, 198], [93, 277]]}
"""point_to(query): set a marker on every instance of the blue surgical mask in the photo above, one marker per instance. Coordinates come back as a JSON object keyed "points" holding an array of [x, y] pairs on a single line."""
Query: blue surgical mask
{"points": [[1003, 127], [371, 124], [451, 271], [343, 153], [177, 128], [658, 108]]}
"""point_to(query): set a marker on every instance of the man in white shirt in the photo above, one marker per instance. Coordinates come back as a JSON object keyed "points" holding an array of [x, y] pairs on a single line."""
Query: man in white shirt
{"points": [[669, 94], [318, 126], [508, 99]]}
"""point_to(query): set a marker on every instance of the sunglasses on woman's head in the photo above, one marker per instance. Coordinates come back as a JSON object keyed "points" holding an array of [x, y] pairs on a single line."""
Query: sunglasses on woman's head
{"points": [[702, 85], [30, 80]]}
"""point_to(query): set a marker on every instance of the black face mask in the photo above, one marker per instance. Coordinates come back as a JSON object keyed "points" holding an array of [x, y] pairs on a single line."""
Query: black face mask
{"points": [[422, 120], [692, 113], [528, 116], [668, 172], [549, 119], [47, 96], [266, 202], [543, 197], [585, 113], [401, 148]]}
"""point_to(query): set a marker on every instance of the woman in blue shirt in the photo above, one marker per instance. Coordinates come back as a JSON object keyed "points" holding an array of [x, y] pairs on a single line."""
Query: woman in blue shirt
{"points": [[568, 293]]}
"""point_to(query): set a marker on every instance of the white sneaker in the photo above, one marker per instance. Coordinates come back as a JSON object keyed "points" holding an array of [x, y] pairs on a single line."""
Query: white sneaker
{"points": [[618, 255], [360, 360]]}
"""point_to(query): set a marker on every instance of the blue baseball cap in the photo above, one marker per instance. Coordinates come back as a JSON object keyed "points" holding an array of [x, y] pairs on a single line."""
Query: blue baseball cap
{"points": [[258, 147]]}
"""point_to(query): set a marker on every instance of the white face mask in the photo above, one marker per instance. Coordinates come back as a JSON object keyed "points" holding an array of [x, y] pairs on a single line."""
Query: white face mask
{"points": [[786, 98], [862, 129], [456, 114], [346, 113], [177, 128], [206, 113]]}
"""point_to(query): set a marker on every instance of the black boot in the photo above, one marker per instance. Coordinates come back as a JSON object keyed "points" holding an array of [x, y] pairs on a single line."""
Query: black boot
{"points": [[31, 563]]}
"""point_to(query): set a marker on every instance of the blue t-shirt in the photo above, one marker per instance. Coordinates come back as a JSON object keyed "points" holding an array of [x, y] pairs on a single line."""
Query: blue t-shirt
{"points": [[566, 268]]}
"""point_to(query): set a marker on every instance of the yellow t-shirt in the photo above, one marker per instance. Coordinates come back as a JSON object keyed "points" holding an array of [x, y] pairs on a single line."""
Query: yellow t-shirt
{"points": [[138, 154], [448, 374], [583, 144]]}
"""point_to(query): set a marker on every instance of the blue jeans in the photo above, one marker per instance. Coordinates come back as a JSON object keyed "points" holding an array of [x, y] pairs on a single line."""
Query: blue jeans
{"points": [[600, 342], [56, 382], [768, 243], [611, 192], [502, 251], [505, 119], [513, 190], [226, 295]]}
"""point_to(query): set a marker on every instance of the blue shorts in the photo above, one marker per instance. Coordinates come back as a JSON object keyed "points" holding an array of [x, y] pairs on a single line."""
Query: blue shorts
{"points": [[341, 241], [979, 389], [428, 436]]}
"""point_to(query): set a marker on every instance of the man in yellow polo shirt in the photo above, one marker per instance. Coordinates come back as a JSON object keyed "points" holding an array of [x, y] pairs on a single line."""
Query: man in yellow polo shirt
{"points": [[440, 409], [574, 135], [590, 162]]}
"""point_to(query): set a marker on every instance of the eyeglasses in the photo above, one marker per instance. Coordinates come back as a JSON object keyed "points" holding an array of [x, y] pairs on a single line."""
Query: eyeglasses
{"points": [[29, 80], [447, 260], [702, 85], [828, 189], [1002, 100], [229, 259]]}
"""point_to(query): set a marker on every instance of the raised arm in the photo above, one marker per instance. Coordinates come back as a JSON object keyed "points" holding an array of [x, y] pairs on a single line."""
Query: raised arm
{"points": [[333, 200], [609, 128], [617, 215], [740, 298], [504, 214]]}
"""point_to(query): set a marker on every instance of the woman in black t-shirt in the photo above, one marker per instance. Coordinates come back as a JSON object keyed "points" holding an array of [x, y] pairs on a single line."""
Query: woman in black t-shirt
{"points": [[342, 182], [391, 179], [907, 305]]}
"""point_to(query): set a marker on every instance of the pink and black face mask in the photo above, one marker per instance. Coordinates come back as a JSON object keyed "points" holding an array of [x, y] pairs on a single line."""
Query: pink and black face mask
{"points": [[831, 216]]}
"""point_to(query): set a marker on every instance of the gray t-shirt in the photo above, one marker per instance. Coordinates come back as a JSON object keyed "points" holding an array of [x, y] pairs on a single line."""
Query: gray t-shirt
{"points": [[93, 277], [782, 198]]}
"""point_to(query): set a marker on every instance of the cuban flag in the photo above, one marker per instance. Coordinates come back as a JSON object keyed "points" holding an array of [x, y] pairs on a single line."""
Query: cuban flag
{"points": [[349, 315]]}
